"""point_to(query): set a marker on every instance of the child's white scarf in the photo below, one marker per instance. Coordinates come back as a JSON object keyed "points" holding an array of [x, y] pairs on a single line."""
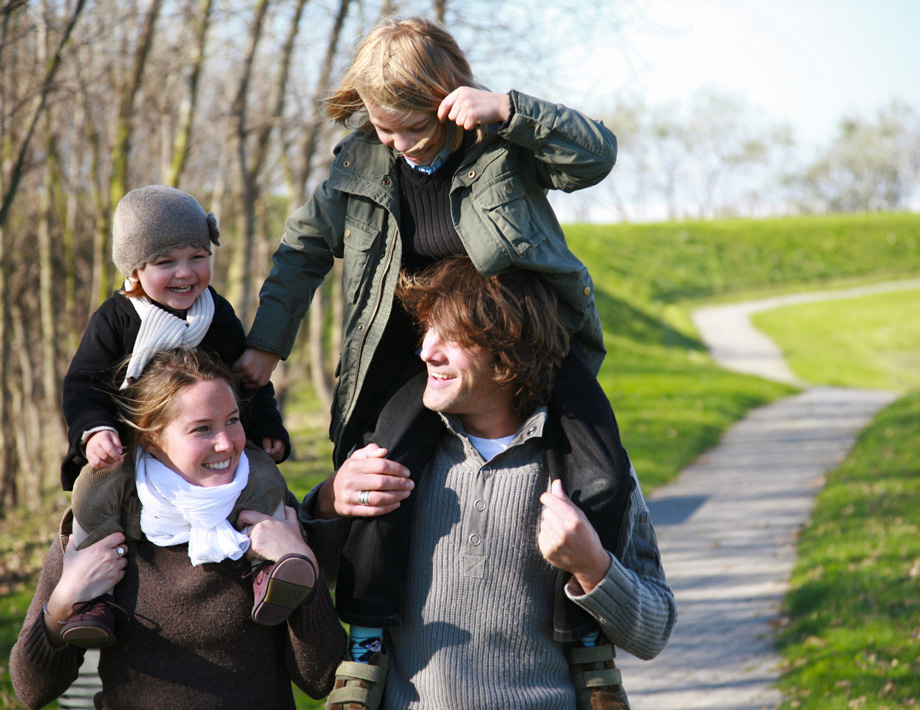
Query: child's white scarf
{"points": [[161, 329], [175, 511]]}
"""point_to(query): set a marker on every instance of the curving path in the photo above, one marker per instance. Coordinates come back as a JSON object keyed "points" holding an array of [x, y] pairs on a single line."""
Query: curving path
{"points": [[728, 526]]}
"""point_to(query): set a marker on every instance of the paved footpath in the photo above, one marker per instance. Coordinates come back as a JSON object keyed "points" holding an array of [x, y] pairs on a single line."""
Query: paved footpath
{"points": [[728, 527]]}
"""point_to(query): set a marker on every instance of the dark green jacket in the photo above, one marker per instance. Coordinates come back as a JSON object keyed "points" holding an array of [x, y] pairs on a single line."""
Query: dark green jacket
{"points": [[500, 210]]}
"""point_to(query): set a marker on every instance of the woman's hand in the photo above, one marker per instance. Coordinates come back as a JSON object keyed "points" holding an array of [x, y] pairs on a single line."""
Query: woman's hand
{"points": [[255, 367], [469, 107], [86, 574], [271, 538], [568, 541], [367, 484]]}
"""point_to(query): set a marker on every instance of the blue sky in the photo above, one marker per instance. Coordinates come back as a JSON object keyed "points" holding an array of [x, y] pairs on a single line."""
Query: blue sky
{"points": [[808, 62]]}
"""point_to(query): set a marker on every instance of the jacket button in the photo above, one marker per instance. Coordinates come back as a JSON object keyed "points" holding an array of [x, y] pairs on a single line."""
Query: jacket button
{"points": [[508, 188], [587, 291], [471, 174], [346, 163], [386, 181], [347, 233], [360, 326]]}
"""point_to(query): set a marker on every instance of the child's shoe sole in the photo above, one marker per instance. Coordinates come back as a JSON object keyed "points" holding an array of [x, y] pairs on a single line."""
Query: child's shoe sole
{"points": [[282, 587]]}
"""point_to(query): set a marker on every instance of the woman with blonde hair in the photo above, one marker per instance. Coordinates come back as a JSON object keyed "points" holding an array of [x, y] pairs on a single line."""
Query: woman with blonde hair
{"points": [[185, 607]]}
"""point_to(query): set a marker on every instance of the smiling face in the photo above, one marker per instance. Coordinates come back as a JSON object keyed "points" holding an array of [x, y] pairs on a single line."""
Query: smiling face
{"points": [[177, 278], [461, 382], [403, 131], [204, 441]]}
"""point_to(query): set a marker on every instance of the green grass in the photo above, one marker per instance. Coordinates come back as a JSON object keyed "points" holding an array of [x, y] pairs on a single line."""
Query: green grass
{"points": [[871, 342], [853, 635], [728, 259], [672, 403]]}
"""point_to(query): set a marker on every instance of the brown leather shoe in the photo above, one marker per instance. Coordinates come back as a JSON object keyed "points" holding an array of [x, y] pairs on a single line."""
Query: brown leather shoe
{"points": [[92, 624], [280, 587]]}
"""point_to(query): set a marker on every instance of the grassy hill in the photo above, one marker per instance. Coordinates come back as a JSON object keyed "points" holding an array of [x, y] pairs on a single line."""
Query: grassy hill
{"points": [[671, 401]]}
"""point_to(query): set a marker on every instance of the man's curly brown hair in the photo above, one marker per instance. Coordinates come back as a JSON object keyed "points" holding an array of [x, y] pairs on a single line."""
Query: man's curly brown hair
{"points": [[512, 316]]}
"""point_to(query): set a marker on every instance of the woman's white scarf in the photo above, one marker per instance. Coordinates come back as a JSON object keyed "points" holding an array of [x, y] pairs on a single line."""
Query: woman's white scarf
{"points": [[162, 329], [175, 511]]}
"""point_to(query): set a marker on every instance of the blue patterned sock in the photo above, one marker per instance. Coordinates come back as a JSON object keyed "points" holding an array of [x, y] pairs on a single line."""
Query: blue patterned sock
{"points": [[364, 642]]}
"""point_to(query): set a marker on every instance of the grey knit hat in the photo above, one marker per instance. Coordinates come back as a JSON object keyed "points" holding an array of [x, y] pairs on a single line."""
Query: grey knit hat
{"points": [[153, 220]]}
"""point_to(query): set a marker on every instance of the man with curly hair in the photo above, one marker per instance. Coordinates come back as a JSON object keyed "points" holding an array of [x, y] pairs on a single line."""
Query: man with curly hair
{"points": [[496, 520]]}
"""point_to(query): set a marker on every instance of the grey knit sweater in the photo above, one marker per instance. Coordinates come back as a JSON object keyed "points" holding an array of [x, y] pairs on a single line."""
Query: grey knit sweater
{"points": [[476, 627]]}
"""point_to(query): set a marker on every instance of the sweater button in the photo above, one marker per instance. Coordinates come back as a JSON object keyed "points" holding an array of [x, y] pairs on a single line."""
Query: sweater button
{"points": [[475, 540], [480, 505], [486, 472]]}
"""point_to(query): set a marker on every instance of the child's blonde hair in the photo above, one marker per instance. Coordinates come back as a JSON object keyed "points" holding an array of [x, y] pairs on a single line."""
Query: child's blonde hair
{"points": [[403, 65]]}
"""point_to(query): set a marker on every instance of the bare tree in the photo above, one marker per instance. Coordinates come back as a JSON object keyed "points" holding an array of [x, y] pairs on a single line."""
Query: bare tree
{"points": [[183, 136], [118, 183], [241, 274], [870, 165]]}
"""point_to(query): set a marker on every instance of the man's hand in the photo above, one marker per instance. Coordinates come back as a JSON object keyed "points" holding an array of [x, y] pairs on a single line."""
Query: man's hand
{"points": [[104, 449], [568, 541], [255, 367], [384, 483], [469, 107]]}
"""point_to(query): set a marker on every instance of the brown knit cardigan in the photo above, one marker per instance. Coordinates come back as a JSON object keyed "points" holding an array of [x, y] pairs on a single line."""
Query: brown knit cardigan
{"points": [[185, 640]]}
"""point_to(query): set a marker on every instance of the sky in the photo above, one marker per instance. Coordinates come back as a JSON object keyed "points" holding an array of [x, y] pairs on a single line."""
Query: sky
{"points": [[806, 62]]}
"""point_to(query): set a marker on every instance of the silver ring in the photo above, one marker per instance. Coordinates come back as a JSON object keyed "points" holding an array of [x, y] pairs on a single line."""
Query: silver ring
{"points": [[121, 551], [363, 497]]}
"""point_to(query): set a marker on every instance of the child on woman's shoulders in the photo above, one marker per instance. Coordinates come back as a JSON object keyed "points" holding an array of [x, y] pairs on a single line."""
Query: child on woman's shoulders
{"points": [[161, 242]]}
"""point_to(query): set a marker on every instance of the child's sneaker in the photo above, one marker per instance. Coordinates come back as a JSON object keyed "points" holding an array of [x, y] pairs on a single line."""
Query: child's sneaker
{"points": [[359, 686], [598, 683], [92, 624], [280, 587]]}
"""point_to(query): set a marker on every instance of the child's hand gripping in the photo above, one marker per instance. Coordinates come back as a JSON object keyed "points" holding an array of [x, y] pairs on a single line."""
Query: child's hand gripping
{"points": [[104, 449]]}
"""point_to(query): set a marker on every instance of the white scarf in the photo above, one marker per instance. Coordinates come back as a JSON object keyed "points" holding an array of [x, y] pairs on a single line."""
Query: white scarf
{"points": [[161, 329], [175, 511]]}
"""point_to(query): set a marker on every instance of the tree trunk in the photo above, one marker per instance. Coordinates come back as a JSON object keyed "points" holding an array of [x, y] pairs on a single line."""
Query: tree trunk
{"points": [[52, 430], [38, 107], [118, 183], [240, 275], [182, 141]]}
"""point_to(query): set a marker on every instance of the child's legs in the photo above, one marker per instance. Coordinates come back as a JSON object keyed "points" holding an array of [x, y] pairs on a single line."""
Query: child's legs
{"points": [[105, 502], [373, 564], [594, 469], [79, 536]]}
